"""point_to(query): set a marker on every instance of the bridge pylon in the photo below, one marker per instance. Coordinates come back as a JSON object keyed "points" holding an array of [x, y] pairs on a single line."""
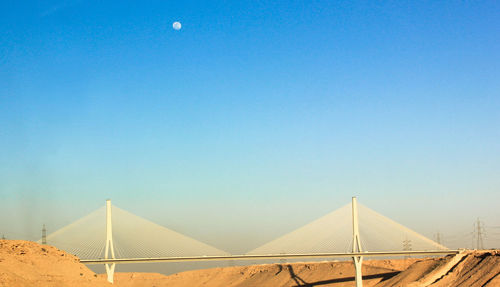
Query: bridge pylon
{"points": [[356, 243], [110, 268]]}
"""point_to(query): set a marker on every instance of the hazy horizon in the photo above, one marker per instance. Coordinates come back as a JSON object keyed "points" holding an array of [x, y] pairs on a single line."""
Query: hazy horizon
{"points": [[253, 118]]}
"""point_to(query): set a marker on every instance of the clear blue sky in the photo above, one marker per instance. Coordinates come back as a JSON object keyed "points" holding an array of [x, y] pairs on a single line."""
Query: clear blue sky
{"points": [[255, 117]]}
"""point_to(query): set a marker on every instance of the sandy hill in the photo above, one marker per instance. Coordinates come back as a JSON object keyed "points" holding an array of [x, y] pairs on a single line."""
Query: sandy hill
{"points": [[469, 269], [24, 263], [293, 274]]}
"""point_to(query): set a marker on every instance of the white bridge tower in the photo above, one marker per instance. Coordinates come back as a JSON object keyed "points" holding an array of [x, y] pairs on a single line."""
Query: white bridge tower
{"points": [[356, 243], [110, 268]]}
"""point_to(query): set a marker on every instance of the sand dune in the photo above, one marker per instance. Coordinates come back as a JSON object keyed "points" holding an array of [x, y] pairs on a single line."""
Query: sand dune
{"points": [[474, 269], [24, 263]]}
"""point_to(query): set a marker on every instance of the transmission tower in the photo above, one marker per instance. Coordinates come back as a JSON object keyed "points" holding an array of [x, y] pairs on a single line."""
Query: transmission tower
{"points": [[479, 233], [3, 236], [438, 238], [282, 260], [44, 235], [406, 245]]}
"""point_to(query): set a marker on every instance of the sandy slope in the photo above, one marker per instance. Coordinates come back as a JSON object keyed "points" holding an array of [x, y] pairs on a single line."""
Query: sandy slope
{"points": [[24, 263], [474, 268], [294, 274], [469, 269]]}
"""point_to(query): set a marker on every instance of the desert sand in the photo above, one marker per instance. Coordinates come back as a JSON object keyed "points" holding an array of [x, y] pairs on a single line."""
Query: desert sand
{"points": [[24, 263]]}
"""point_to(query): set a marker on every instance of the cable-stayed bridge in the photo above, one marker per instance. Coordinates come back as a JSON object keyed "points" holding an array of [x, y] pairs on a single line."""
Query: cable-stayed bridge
{"points": [[333, 233], [133, 237], [111, 235]]}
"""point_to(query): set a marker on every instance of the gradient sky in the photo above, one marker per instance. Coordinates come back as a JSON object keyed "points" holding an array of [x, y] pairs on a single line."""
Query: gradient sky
{"points": [[252, 120]]}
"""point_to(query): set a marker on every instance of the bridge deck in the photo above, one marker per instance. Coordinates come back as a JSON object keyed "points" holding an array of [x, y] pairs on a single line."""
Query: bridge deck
{"points": [[267, 256]]}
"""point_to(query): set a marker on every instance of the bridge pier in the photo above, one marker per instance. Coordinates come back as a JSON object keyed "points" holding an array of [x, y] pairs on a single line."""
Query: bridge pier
{"points": [[110, 268], [356, 243]]}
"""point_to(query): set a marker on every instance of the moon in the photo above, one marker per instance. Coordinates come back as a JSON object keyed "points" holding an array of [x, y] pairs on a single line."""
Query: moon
{"points": [[177, 25]]}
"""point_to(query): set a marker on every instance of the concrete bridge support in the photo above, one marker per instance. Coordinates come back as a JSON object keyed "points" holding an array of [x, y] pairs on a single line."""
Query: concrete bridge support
{"points": [[356, 243], [110, 268]]}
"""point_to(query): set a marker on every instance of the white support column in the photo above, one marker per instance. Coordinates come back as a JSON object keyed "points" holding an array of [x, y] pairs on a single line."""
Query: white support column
{"points": [[356, 243], [110, 268]]}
